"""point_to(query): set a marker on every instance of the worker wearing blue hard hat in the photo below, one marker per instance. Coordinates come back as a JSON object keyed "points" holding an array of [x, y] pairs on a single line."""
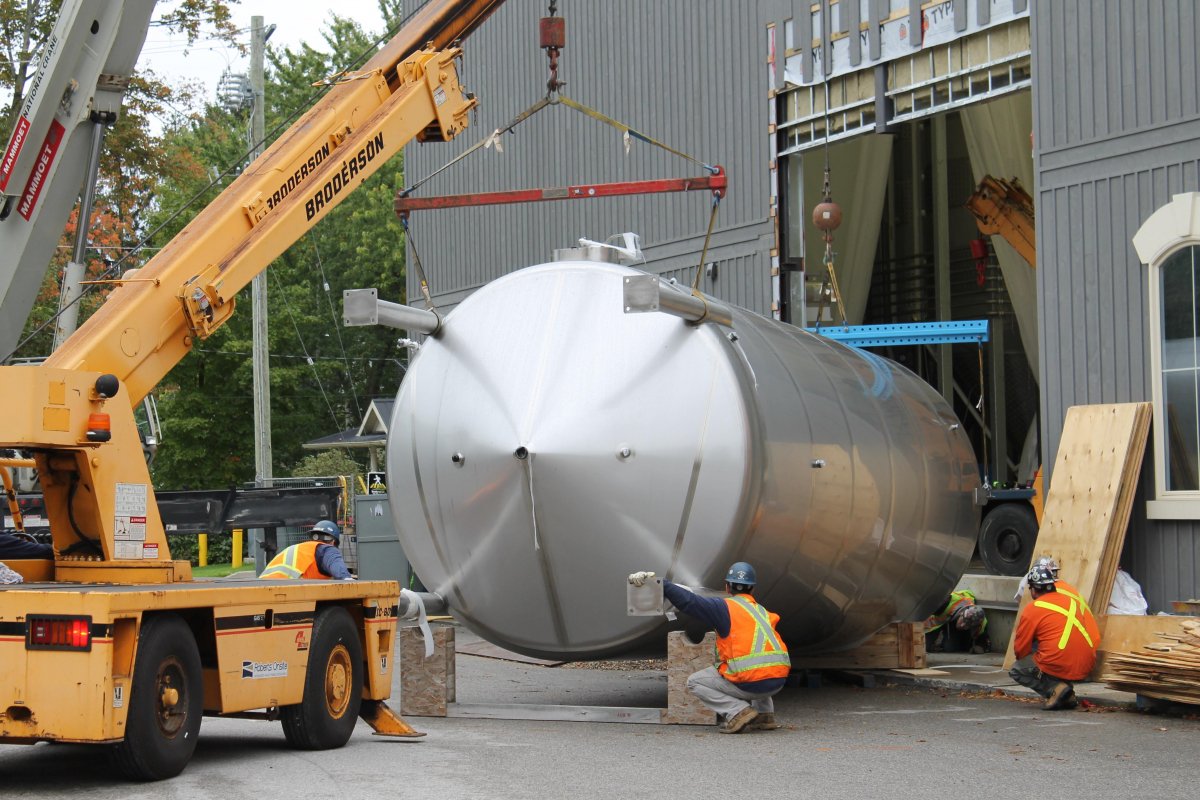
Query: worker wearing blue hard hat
{"points": [[317, 558], [754, 661]]}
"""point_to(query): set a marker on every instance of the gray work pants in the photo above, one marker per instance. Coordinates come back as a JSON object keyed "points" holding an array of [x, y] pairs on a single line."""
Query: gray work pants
{"points": [[1027, 673], [724, 696]]}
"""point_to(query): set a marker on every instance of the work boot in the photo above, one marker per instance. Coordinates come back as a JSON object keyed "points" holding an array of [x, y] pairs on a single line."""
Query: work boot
{"points": [[1059, 697], [764, 722], [1071, 700], [738, 722]]}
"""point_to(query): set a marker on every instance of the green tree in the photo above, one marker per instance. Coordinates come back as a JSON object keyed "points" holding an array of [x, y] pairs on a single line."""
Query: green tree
{"points": [[205, 402]]}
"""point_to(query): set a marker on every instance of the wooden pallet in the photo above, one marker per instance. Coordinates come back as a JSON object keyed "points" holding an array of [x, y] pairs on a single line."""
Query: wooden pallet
{"points": [[900, 645], [1091, 497]]}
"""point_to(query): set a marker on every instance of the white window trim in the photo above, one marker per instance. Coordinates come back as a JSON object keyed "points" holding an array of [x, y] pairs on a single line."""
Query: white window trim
{"points": [[1169, 229]]}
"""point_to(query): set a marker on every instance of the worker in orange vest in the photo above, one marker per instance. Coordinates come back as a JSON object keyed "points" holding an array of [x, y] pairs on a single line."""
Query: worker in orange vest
{"points": [[1055, 642], [317, 558], [754, 660]]}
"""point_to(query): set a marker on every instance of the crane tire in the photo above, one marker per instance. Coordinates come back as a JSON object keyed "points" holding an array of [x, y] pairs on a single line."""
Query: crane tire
{"points": [[166, 702], [1007, 537], [325, 718]]}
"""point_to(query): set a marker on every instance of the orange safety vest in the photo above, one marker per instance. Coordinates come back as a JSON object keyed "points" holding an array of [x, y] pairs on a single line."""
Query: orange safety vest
{"points": [[297, 561], [753, 650], [1066, 634]]}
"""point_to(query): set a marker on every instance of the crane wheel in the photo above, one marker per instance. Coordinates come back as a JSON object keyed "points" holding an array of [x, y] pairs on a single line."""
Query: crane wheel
{"points": [[166, 702], [1007, 537], [325, 718]]}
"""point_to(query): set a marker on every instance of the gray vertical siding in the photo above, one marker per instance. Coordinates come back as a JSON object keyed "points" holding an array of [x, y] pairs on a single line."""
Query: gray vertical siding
{"points": [[1117, 133], [690, 73]]}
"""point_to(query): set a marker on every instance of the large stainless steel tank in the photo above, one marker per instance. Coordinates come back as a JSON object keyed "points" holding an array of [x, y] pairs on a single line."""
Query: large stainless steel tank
{"points": [[545, 444]]}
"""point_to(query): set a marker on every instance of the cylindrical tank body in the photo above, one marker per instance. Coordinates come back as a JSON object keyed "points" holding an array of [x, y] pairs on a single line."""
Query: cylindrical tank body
{"points": [[546, 444]]}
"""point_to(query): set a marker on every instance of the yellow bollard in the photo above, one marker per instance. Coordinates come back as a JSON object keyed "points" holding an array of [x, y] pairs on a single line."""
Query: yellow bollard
{"points": [[204, 549], [237, 547]]}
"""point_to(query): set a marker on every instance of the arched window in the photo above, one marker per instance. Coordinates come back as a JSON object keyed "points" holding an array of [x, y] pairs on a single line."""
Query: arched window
{"points": [[1169, 242]]}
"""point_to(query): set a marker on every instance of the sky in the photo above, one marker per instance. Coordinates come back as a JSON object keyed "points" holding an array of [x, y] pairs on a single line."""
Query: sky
{"points": [[297, 21]]}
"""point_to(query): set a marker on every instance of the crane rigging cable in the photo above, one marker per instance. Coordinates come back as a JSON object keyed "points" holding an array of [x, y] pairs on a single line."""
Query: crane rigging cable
{"points": [[552, 32]]}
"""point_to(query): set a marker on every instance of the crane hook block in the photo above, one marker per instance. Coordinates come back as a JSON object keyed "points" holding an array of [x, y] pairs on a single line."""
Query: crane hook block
{"points": [[552, 32]]}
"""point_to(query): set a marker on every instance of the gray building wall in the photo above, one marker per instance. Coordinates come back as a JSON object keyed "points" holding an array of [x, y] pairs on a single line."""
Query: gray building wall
{"points": [[689, 73], [1117, 133]]}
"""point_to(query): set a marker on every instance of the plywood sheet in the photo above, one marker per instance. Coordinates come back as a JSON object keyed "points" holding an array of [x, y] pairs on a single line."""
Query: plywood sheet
{"points": [[1091, 496], [1127, 634]]}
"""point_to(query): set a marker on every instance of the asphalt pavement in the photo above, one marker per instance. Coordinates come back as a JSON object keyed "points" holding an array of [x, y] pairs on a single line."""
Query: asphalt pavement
{"points": [[838, 741]]}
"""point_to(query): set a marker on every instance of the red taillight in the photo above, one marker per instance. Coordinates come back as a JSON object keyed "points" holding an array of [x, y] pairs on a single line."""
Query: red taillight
{"points": [[59, 633]]}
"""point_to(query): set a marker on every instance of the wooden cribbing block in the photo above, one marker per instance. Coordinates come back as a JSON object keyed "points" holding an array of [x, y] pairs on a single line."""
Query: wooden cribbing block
{"points": [[900, 645], [426, 684], [683, 658], [1091, 497]]}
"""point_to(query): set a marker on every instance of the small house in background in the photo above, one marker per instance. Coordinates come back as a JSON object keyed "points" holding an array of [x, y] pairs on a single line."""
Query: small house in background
{"points": [[371, 434]]}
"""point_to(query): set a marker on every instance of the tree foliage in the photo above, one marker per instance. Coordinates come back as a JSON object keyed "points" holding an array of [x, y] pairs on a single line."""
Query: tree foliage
{"points": [[322, 375], [206, 401]]}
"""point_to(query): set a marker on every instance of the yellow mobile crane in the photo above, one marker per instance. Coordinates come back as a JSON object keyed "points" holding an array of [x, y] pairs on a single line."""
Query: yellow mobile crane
{"points": [[113, 642]]}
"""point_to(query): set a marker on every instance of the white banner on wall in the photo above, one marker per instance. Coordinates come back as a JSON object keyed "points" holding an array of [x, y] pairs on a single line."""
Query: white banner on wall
{"points": [[895, 38]]}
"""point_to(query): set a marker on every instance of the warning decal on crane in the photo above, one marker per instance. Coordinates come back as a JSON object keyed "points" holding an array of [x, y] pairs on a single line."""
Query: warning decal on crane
{"points": [[37, 178]]}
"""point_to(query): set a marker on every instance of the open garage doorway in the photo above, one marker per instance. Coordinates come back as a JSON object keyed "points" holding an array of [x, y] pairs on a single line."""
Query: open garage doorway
{"points": [[909, 250]]}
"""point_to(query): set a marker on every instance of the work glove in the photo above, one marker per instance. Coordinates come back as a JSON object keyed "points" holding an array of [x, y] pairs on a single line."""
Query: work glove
{"points": [[639, 578]]}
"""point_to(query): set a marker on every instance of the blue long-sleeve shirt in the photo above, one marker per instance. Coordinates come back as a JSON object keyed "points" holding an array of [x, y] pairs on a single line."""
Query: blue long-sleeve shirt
{"points": [[714, 611], [329, 561]]}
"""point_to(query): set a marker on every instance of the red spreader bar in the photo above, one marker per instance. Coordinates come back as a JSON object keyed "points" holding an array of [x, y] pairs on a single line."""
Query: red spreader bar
{"points": [[717, 184]]}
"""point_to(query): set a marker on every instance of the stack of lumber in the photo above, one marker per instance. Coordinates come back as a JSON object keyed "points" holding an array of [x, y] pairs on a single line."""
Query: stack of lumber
{"points": [[1169, 669], [1091, 496]]}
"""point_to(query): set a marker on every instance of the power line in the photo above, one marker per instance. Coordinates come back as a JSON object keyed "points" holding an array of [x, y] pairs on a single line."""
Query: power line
{"points": [[296, 327], [333, 315]]}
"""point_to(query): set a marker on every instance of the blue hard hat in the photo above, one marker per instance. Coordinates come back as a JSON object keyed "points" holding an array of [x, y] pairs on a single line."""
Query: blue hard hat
{"points": [[742, 573], [328, 528]]}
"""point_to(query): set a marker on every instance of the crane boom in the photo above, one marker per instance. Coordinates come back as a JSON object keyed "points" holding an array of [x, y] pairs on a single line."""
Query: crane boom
{"points": [[97, 488]]}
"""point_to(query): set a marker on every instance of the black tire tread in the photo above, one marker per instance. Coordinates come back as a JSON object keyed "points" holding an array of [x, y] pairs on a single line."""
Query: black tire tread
{"points": [[130, 756], [1018, 516], [307, 725]]}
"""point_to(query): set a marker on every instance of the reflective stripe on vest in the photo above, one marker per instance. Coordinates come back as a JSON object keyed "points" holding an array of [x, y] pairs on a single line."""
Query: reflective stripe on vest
{"points": [[1082, 603], [764, 634], [1072, 622], [293, 562], [957, 601]]}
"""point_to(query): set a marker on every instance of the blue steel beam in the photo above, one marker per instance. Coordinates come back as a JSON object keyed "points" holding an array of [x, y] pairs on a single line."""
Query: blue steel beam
{"points": [[971, 331]]}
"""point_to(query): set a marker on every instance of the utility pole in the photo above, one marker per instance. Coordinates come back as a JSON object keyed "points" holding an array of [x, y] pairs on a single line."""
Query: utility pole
{"points": [[262, 366]]}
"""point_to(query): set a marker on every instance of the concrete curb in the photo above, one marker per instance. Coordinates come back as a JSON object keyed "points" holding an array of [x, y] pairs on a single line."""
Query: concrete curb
{"points": [[1121, 699]]}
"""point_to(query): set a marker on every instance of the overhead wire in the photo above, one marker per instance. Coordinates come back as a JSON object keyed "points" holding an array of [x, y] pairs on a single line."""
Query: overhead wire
{"points": [[303, 348], [336, 328]]}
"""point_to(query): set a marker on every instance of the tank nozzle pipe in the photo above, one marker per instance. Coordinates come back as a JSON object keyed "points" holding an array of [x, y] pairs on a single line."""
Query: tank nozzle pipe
{"points": [[644, 293], [363, 307], [407, 607]]}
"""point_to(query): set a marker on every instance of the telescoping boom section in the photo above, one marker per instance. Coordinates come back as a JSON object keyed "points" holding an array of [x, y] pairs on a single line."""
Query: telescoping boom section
{"points": [[74, 412]]}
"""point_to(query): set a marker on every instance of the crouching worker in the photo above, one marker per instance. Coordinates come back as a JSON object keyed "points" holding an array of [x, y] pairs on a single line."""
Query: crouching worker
{"points": [[959, 627], [318, 558], [1058, 630], [754, 660]]}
